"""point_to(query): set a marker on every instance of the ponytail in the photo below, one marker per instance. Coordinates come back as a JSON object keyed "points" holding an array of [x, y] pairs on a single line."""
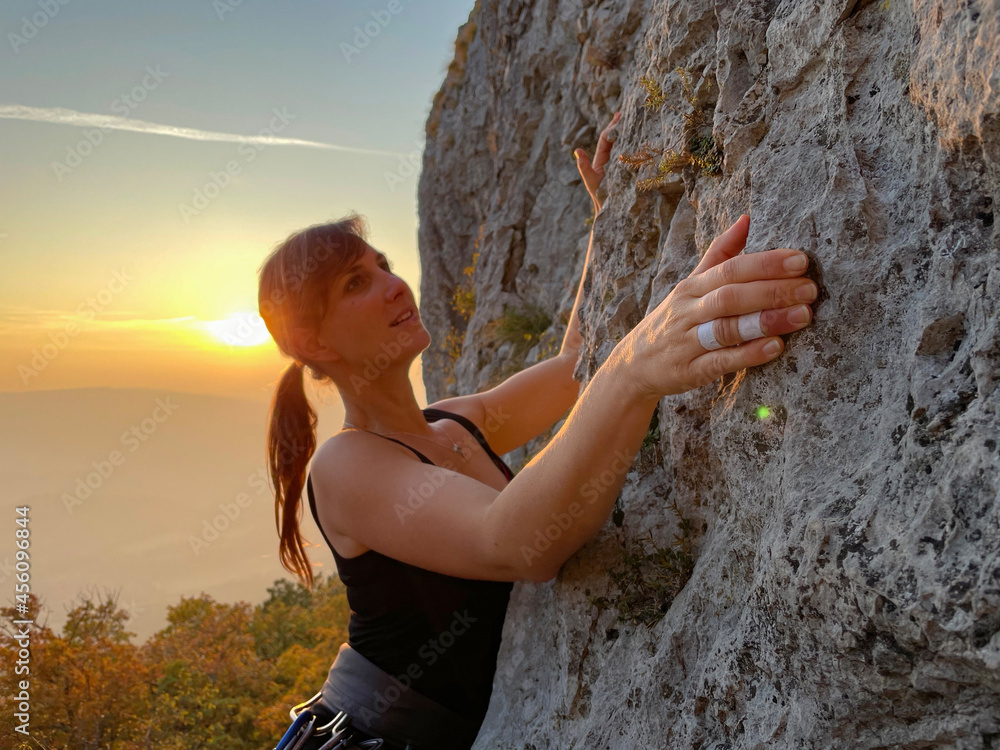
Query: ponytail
{"points": [[291, 441], [295, 283]]}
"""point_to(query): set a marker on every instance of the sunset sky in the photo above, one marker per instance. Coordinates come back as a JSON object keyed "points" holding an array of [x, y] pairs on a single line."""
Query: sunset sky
{"points": [[153, 155], [123, 264]]}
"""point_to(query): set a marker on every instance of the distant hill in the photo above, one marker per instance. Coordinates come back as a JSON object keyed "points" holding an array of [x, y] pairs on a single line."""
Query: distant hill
{"points": [[159, 464]]}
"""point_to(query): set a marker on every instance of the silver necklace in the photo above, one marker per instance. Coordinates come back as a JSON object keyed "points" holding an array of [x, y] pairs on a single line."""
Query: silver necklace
{"points": [[454, 445]]}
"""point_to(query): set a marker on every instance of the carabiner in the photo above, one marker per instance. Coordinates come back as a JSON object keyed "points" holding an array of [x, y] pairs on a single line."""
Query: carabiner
{"points": [[294, 711], [295, 731], [303, 736], [341, 733], [342, 721]]}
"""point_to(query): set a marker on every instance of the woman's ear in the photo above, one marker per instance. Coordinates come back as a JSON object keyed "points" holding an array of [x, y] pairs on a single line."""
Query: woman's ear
{"points": [[305, 341]]}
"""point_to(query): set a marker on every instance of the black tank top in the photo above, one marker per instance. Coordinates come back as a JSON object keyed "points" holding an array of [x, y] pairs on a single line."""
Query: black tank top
{"points": [[441, 632]]}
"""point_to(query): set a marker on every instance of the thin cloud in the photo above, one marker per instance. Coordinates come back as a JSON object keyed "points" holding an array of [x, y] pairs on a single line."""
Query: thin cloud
{"points": [[20, 314], [62, 116], [17, 316]]}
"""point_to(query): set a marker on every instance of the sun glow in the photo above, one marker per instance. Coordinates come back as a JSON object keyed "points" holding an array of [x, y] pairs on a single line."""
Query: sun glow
{"points": [[239, 329]]}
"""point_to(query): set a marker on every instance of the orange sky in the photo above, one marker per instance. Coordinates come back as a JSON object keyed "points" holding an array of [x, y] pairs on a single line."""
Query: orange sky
{"points": [[223, 357], [113, 120], [105, 278]]}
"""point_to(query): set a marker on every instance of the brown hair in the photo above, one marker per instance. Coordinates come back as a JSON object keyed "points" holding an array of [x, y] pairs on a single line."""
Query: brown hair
{"points": [[294, 287]]}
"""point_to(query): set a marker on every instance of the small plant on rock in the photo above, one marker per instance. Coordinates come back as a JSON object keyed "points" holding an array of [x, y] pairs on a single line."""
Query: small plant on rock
{"points": [[699, 148], [648, 581]]}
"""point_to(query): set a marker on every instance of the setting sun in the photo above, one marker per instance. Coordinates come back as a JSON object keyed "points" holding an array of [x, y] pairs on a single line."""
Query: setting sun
{"points": [[239, 329]]}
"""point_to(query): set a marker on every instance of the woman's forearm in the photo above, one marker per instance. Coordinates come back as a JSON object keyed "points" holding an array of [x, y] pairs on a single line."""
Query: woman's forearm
{"points": [[566, 492], [572, 339]]}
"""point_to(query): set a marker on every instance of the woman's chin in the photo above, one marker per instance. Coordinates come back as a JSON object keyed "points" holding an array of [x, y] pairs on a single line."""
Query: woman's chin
{"points": [[407, 337]]}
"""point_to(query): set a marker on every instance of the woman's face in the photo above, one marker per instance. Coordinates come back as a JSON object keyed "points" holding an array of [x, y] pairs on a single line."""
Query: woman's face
{"points": [[362, 306]]}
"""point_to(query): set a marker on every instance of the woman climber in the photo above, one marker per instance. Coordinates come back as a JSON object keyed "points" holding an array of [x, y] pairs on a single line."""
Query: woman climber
{"points": [[429, 528]]}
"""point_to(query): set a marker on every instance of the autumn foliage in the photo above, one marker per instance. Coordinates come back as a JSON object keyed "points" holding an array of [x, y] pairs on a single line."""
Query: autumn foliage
{"points": [[219, 675]]}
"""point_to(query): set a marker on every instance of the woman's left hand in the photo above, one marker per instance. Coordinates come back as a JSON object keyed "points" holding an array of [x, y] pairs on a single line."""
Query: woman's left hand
{"points": [[593, 171]]}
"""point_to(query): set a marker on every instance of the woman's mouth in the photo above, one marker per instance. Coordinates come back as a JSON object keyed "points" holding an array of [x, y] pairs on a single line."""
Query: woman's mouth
{"points": [[408, 317]]}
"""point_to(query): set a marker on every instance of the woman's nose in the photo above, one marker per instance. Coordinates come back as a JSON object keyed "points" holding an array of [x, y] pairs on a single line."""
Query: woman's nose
{"points": [[397, 285]]}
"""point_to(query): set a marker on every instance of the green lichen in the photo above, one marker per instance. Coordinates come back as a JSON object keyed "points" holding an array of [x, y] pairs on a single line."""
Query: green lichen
{"points": [[521, 326], [705, 154], [652, 439], [463, 300], [648, 581]]}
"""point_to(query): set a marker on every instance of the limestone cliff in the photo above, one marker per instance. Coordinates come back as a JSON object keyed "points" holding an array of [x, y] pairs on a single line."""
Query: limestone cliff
{"points": [[841, 504]]}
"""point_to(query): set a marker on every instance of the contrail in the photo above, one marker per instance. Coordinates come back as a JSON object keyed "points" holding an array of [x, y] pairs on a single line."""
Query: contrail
{"points": [[62, 116]]}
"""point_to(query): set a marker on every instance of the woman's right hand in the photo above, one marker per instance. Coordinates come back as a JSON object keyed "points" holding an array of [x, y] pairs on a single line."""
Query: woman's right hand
{"points": [[592, 172], [663, 356]]}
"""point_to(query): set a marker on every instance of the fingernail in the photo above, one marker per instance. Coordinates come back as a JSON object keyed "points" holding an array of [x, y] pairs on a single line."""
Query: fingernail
{"points": [[796, 262], [771, 348], [806, 292], [799, 315]]}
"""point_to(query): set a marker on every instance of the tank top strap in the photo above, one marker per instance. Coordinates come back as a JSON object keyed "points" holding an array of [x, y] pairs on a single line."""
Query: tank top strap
{"points": [[315, 513], [421, 455], [469, 425]]}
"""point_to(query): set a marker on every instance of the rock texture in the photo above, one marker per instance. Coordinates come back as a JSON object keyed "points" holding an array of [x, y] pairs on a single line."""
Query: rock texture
{"points": [[846, 588]]}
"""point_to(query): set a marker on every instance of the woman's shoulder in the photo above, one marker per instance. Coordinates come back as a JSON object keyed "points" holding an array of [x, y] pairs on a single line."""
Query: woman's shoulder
{"points": [[352, 444], [347, 443]]}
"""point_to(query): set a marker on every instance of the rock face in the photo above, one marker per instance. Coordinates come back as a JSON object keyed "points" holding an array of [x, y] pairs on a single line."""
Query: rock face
{"points": [[841, 503]]}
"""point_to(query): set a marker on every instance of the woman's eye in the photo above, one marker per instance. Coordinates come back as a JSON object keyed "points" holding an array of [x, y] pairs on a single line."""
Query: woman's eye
{"points": [[350, 284]]}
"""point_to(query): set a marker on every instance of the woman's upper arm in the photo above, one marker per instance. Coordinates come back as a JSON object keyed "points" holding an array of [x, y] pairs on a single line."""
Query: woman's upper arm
{"points": [[417, 513]]}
